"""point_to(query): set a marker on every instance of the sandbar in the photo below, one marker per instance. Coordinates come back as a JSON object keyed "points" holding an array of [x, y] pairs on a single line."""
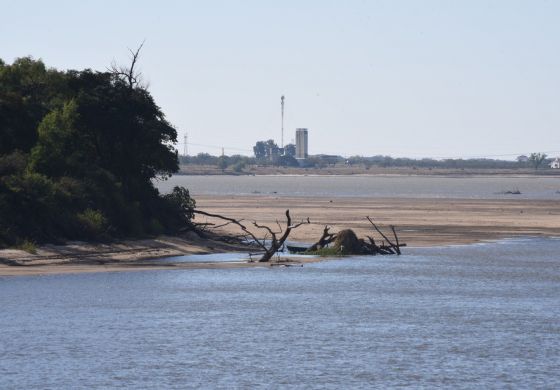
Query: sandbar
{"points": [[418, 222]]}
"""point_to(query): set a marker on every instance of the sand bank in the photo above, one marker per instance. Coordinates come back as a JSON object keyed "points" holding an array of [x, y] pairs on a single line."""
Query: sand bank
{"points": [[123, 256], [419, 222]]}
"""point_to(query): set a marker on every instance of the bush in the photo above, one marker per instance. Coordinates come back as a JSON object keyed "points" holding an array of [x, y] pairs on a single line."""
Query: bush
{"points": [[239, 166], [12, 163], [155, 227], [27, 246], [178, 209], [92, 223]]}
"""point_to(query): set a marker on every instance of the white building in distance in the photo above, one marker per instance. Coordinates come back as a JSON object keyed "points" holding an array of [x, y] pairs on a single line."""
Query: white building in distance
{"points": [[301, 144], [555, 164]]}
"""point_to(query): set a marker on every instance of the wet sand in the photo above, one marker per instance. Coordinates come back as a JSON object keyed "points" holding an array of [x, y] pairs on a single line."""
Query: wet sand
{"points": [[419, 222], [127, 255]]}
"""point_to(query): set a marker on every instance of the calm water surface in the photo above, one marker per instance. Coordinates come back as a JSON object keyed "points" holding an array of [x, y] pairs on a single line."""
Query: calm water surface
{"points": [[531, 187], [480, 316]]}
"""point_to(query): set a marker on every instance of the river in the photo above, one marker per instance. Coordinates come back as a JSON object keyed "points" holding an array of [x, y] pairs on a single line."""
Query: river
{"points": [[473, 187], [477, 316]]}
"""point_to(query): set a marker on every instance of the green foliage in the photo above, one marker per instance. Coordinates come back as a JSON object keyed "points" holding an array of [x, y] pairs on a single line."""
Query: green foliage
{"points": [[325, 252], [260, 150], [239, 166], [78, 153], [181, 200], [287, 161], [200, 159], [536, 159], [155, 227], [290, 150], [92, 222], [28, 90], [222, 163], [27, 246], [60, 148], [12, 163], [265, 150]]}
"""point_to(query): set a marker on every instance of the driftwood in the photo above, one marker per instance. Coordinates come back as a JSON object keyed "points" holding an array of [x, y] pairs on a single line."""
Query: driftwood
{"points": [[276, 237], [392, 246], [344, 242], [324, 241]]}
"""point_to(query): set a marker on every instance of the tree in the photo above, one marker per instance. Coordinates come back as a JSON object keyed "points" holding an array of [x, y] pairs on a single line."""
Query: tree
{"points": [[239, 166], [60, 149], [287, 161], [79, 151], [266, 150], [290, 150], [222, 163], [271, 148], [260, 150], [28, 91], [537, 159], [128, 74]]}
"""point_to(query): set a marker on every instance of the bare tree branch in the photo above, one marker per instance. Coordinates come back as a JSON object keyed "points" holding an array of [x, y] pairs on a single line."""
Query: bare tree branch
{"points": [[236, 222], [276, 243], [392, 245], [129, 75]]}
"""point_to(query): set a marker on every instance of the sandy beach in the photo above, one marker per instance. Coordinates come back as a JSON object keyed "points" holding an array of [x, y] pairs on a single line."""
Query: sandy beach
{"points": [[128, 255], [419, 222]]}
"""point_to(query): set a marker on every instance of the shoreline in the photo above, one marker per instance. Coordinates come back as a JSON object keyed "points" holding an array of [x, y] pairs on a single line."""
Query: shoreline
{"points": [[420, 222], [152, 263], [340, 170], [127, 255]]}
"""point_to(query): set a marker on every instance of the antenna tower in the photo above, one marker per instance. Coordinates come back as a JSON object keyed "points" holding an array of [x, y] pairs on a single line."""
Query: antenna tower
{"points": [[282, 126], [185, 147]]}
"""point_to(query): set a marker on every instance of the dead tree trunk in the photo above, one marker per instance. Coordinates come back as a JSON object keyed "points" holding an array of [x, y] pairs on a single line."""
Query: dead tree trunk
{"points": [[325, 240], [276, 241], [129, 75], [346, 242], [392, 247]]}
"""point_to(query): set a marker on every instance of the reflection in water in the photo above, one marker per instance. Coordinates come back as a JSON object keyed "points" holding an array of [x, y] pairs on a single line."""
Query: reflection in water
{"points": [[474, 316]]}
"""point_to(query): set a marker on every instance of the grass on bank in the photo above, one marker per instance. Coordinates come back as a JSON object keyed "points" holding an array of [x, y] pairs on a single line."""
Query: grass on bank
{"points": [[326, 252], [27, 246]]}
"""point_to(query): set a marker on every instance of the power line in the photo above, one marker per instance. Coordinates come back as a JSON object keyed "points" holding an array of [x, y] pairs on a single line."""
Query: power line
{"points": [[220, 147]]}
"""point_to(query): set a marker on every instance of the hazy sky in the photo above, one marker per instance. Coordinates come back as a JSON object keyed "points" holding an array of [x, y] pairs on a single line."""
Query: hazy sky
{"points": [[418, 78]]}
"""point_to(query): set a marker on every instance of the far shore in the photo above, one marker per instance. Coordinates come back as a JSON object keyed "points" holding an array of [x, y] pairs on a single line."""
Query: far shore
{"points": [[419, 222], [342, 170]]}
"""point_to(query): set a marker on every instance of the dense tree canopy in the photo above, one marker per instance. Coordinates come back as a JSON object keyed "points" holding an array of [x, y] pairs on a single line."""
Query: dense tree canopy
{"points": [[78, 153]]}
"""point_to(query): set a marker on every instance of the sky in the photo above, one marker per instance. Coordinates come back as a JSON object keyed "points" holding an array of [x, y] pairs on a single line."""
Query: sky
{"points": [[403, 78]]}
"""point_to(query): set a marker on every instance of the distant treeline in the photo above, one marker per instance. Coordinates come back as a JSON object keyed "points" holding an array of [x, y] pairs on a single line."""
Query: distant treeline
{"points": [[78, 153], [475, 163], [239, 162]]}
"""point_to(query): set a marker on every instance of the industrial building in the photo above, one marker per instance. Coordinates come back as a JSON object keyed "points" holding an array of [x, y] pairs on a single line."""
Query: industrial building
{"points": [[301, 144]]}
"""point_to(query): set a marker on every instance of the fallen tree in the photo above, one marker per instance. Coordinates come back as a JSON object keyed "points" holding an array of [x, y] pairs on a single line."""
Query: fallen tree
{"points": [[345, 242], [277, 238]]}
